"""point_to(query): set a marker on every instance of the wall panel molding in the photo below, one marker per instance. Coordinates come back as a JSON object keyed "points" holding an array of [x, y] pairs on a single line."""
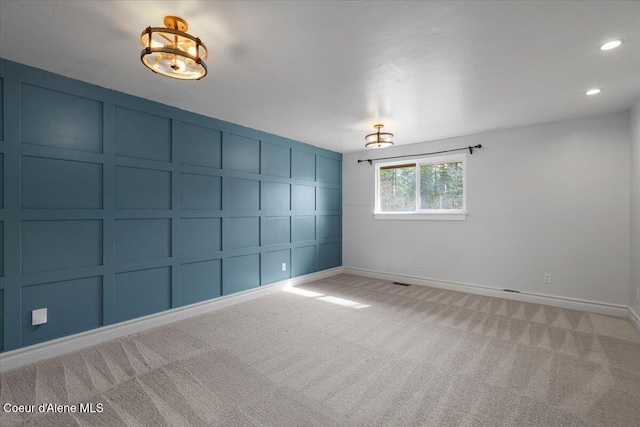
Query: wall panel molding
{"points": [[12, 326], [163, 206]]}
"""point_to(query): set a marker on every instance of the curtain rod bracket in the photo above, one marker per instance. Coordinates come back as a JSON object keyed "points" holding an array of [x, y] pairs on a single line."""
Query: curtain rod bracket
{"points": [[471, 148]]}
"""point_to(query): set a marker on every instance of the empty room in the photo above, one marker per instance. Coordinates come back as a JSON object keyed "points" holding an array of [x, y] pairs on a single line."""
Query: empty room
{"points": [[319, 213]]}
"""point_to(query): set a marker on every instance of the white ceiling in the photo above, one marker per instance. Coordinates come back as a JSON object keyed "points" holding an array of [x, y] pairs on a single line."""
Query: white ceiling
{"points": [[325, 72]]}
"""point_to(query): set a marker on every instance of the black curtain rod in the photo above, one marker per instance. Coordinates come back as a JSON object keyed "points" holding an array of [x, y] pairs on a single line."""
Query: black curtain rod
{"points": [[422, 154]]}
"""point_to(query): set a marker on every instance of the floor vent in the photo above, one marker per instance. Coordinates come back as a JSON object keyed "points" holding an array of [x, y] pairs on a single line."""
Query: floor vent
{"points": [[401, 284], [511, 290]]}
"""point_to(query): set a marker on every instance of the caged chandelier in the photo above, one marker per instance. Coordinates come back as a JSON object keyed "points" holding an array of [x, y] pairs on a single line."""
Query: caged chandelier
{"points": [[172, 52], [379, 139]]}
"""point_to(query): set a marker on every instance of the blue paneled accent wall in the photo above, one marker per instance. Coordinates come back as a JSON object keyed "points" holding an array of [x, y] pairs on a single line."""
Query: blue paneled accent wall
{"points": [[114, 207]]}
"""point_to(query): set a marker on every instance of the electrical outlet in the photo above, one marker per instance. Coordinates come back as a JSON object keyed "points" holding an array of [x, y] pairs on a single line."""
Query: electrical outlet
{"points": [[547, 278], [39, 316], [418, 263], [284, 266]]}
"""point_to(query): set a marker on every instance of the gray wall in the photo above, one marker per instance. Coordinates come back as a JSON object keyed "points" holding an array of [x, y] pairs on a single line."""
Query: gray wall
{"points": [[635, 209], [551, 198]]}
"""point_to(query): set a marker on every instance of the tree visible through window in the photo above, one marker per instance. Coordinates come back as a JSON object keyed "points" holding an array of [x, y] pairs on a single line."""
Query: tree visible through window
{"points": [[441, 186], [429, 185], [398, 188]]}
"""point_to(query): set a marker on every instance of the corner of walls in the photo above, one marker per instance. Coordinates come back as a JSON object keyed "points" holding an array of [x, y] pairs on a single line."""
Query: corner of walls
{"points": [[634, 282]]}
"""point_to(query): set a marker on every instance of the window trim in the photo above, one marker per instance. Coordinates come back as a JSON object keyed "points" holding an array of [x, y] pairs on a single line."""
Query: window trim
{"points": [[423, 214]]}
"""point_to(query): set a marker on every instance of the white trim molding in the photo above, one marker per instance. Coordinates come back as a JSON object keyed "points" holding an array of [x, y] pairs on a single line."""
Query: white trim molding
{"points": [[37, 352], [418, 213], [556, 301], [411, 216], [634, 318]]}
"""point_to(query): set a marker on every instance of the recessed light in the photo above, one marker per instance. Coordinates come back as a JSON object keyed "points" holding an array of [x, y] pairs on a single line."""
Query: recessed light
{"points": [[611, 45], [593, 92]]}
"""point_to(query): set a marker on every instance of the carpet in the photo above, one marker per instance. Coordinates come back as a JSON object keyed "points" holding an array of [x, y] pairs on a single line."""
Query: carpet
{"points": [[349, 351]]}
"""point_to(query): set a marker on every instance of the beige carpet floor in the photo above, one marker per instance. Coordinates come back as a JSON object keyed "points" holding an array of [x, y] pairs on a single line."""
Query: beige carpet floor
{"points": [[351, 351]]}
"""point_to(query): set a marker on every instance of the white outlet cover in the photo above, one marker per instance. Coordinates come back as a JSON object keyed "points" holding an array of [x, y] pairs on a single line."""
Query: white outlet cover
{"points": [[284, 266], [39, 316]]}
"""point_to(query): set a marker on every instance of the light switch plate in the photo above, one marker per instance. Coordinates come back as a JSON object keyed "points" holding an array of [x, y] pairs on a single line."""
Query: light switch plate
{"points": [[39, 316]]}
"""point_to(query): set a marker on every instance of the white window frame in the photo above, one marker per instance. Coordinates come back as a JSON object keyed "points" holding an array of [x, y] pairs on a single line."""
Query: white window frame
{"points": [[424, 214]]}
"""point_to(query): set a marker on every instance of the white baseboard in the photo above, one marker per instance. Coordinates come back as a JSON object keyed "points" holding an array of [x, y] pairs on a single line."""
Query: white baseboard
{"points": [[634, 318], [34, 353], [556, 301]]}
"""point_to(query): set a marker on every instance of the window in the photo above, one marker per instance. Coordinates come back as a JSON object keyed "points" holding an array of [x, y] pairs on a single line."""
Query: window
{"points": [[428, 188]]}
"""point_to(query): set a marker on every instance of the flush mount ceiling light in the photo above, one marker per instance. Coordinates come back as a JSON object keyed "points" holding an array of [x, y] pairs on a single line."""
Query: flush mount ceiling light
{"points": [[379, 139], [591, 92], [172, 52], [611, 45]]}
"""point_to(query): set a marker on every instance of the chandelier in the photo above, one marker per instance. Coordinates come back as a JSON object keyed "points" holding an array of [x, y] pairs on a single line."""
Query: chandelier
{"points": [[379, 139], [172, 52]]}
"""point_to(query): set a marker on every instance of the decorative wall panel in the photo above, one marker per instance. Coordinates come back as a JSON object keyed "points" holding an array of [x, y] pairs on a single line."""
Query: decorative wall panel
{"points": [[271, 265], [200, 192], [1, 111], [142, 292], [114, 207], [241, 154], [276, 230], [276, 196], [200, 281], [243, 232], [201, 146], [276, 160], [61, 245], [1, 250], [1, 319], [243, 194], [303, 165], [305, 228], [330, 255], [328, 170], [328, 199], [142, 188], [304, 260], [1, 179], [60, 184], [55, 119], [243, 274], [304, 198], [201, 235], [72, 306], [329, 226], [142, 135], [138, 239]]}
